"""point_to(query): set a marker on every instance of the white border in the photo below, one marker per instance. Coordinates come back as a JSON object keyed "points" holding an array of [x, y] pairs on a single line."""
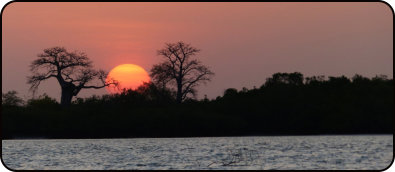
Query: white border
{"points": [[3, 2]]}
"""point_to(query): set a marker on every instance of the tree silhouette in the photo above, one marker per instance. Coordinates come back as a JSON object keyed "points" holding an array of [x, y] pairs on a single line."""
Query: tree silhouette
{"points": [[180, 70], [43, 101], [294, 78], [230, 92], [319, 106], [73, 70], [11, 99]]}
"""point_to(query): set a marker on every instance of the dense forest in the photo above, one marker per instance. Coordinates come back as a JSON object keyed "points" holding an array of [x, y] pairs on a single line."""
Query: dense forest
{"points": [[285, 104]]}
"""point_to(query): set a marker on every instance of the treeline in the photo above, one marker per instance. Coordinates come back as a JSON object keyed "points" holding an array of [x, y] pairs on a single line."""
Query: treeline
{"points": [[286, 104]]}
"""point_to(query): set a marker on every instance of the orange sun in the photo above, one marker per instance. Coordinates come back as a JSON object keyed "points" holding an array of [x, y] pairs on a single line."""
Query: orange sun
{"points": [[129, 76]]}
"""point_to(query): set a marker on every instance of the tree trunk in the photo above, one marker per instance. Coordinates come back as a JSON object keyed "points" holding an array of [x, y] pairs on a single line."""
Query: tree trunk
{"points": [[67, 95], [179, 92]]}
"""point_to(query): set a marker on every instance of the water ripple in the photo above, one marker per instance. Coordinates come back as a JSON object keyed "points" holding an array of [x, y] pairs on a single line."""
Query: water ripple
{"points": [[373, 152]]}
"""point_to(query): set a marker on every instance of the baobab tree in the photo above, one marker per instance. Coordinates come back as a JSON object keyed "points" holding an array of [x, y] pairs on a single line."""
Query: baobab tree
{"points": [[73, 71], [179, 70]]}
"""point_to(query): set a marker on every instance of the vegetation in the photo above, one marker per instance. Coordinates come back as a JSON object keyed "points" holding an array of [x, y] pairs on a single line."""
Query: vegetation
{"points": [[73, 70], [11, 99], [286, 104], [179, 70]]}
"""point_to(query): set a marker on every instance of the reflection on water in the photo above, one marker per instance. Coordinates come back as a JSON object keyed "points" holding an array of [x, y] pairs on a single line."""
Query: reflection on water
{"points": [[261, 153]]}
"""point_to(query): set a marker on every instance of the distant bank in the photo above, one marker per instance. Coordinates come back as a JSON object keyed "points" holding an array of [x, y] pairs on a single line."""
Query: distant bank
{"points": [[287, 104]]}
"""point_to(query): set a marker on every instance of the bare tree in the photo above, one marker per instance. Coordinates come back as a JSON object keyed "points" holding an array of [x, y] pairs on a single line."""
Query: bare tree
{"points": [[73, 70], [180, 70]]}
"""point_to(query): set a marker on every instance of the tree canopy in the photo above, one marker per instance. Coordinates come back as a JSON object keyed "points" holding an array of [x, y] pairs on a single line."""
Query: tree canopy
{"points": [[179, 70], [73, 71]]}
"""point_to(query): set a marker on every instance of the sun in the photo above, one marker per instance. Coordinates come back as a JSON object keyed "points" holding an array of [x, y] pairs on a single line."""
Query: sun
{"points": [[129, 76]]}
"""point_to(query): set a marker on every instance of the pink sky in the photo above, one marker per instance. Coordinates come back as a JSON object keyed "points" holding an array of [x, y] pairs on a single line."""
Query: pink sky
{"points": [[243, 43]]}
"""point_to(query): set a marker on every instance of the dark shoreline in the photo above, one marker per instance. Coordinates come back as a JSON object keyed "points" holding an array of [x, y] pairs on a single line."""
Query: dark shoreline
{"points": [[284, 105]]}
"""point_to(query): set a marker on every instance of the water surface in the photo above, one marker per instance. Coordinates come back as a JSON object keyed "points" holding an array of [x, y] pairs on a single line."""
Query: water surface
{"points": [[372, 152]]}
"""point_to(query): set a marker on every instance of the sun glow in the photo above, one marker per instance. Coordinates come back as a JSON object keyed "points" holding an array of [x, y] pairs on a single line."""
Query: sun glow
{"points": [[129, 76]]}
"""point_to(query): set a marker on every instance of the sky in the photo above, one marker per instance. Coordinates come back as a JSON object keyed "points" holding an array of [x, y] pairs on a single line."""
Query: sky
{"points": [[242, 43]]}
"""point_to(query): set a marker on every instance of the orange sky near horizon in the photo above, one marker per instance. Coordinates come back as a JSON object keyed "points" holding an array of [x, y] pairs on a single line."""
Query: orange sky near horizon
{"points": [[243, 43]]}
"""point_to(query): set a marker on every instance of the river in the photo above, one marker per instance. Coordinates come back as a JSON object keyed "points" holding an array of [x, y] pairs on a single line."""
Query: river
{"points": [[357, 152]]}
